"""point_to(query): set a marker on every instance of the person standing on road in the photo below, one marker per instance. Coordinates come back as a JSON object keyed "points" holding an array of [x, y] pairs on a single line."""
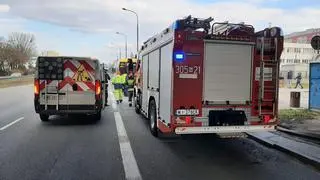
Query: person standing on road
{"points": [[289, 79], [130, 65], [117, 83], [299, 78], [107, 79], [130, 85], [123, 82]]}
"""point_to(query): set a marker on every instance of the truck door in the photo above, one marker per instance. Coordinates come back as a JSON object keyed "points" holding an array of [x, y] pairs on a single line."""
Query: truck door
{"points": [[50, 73], [79, 83]]}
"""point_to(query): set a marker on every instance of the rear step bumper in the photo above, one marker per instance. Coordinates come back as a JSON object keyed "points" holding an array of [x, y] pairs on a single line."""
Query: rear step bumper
{"points": [[223, 129], [70, 109], [63, 112]]}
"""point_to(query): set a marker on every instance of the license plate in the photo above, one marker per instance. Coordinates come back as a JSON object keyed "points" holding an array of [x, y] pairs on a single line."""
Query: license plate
{"points": [[54, 97]]}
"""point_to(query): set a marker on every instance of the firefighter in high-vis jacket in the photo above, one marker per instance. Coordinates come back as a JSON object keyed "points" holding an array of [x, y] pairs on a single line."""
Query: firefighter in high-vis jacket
{"points": [[117, 82], [123, 81], [130, 86]]}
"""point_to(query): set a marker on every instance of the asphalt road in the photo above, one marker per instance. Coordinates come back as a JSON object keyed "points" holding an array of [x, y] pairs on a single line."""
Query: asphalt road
{"points": [[121, 147]]}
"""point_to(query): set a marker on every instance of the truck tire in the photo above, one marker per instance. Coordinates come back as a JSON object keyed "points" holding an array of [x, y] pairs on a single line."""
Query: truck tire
{"points": [[153, 118], [137, 104], [44, 117], [97, 117]]}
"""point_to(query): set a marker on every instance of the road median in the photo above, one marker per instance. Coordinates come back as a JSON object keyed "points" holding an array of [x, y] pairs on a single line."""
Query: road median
{"points": [[17, 81]]}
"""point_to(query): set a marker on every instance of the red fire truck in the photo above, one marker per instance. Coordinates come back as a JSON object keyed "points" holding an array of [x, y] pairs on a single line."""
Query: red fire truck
{"points": [[200, 77]]}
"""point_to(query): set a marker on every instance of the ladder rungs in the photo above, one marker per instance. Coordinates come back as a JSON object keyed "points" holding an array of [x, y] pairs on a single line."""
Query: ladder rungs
{"points": [[269, 87], [270, 113], [270, 61], [269, 91], [267, 100]]}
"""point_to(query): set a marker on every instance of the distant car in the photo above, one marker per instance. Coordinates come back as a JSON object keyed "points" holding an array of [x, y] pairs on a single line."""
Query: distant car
{"points": [[16, 75]]}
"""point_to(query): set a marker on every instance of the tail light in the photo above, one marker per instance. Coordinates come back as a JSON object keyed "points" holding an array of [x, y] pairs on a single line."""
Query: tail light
{"points": [[266, 119], [188, 119], [98, 89], [36, 87]]}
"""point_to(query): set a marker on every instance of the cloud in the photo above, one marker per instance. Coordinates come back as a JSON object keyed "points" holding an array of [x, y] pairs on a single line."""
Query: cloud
{"points": [[101, 16], [4, 8], [8, 25], [105, 17]]}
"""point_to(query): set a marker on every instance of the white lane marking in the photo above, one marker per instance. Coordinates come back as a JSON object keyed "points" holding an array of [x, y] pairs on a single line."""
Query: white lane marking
{"points": [[128, 160], [114, 104], [10, 124]]}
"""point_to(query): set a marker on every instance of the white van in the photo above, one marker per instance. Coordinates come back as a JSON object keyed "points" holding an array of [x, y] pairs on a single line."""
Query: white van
{"points": [[68, 85]]}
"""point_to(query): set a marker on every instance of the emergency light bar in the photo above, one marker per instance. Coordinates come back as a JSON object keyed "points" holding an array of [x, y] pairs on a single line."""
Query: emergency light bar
{"points": [[193, 23]]}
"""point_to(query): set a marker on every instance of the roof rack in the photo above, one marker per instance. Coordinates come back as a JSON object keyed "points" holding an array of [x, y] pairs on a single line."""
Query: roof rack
{"points": [[224, 28]]}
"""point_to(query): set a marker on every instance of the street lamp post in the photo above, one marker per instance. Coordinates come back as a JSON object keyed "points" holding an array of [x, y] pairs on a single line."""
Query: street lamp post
{"points": [[117, 47], [126, 43], [125, 9]]}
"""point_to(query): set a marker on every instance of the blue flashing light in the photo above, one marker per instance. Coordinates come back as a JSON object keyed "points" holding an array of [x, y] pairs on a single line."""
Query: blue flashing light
{"points": [[179, 56], [176, 25]]}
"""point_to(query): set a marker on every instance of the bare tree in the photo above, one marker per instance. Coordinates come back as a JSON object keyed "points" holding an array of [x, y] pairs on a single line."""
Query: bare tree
{"points": [[20, 47], [16, 50]]}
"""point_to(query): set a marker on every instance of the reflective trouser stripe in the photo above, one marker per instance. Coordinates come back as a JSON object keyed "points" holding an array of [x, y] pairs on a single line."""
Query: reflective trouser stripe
{"points": [[118, 94]]}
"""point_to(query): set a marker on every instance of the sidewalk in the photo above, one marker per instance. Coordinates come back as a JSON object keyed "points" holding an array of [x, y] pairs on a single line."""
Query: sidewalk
{"points": [[284, 97], [307, 152], [307, 128]]}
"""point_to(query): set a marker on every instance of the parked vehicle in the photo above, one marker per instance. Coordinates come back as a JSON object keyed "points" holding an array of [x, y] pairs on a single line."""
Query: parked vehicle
{"points": [[69, 85], [16, 74], [200, 78]]}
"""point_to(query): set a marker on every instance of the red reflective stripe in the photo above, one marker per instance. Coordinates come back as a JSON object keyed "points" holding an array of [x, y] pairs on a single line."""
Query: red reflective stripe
{"points": [[70, 65], [90, 85], [86, 66], [67, 80], [79, 88]]}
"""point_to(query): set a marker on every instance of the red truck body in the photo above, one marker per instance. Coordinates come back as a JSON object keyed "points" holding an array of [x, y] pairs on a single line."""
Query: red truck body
{"points": [[195, 78]]}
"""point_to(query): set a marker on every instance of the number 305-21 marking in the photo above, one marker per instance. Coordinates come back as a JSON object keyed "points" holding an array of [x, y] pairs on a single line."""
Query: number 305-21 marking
{"points": [[188, 69]]}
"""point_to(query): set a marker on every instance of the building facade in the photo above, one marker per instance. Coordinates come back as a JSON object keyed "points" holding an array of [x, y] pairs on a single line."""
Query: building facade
{"points": [[298, 53]]}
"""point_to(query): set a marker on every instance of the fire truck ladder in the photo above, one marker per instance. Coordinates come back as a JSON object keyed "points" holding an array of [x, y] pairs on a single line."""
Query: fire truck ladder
{"points": [[274, 65]]}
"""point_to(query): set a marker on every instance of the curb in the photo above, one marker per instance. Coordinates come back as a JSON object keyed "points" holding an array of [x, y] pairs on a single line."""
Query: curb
{"points": [[301, 157], [296, 133]]}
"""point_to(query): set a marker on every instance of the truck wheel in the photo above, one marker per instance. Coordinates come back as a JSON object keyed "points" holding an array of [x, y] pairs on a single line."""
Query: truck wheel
{"points": [[137, 105], [97, 117], [153, 118], [44, 117]]}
